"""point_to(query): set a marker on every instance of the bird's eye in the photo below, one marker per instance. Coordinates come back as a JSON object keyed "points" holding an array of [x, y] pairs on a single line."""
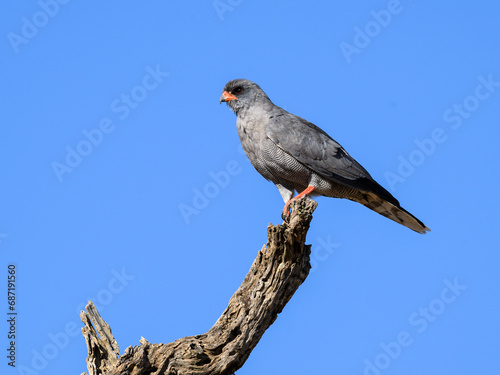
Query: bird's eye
{"points": [[237, 90]]}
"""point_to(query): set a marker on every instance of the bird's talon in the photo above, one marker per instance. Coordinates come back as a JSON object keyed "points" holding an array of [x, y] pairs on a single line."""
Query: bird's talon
{"points": [[286, 212]]}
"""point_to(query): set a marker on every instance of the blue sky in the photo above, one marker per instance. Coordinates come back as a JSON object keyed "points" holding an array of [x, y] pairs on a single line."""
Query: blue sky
{"points": [[124, 181]]}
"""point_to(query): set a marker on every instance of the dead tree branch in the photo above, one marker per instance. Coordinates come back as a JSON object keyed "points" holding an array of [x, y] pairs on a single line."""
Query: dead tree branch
{"points": [[277, 272]]}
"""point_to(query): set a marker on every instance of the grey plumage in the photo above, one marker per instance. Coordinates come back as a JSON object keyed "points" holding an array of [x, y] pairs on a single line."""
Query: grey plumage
{"points": [[297, 155]]}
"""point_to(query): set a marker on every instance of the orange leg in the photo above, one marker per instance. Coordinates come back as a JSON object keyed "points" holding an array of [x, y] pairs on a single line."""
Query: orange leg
{"points": [[286, 209]]}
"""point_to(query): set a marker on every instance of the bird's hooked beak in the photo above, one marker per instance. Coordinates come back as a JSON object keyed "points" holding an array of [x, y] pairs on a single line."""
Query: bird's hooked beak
{"points": [[226, 97]]}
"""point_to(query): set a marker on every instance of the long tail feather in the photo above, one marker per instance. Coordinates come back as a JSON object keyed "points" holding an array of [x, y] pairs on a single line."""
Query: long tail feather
{"points": [[393, 212]]}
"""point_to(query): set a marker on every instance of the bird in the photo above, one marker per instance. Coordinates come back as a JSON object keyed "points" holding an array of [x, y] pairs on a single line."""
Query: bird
{"points": [[298, 156]]}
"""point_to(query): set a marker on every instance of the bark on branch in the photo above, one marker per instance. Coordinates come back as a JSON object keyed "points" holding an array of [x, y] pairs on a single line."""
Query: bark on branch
{"points": [[277, 272]]}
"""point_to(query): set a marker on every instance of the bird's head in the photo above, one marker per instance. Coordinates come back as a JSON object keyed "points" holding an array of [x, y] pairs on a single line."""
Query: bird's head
{"points": [[242, 94]]}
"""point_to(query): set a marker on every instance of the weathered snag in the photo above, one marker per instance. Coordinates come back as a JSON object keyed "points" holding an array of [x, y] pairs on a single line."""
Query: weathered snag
{"points": [[279, 269]]}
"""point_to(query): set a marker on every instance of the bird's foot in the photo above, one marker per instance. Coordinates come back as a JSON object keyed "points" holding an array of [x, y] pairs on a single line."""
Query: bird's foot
{"points": [[286, 210], [285, 214]]}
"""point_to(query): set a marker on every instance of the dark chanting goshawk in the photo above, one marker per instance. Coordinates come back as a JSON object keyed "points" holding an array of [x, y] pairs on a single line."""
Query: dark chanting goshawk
{"points": [[298, 156]]}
